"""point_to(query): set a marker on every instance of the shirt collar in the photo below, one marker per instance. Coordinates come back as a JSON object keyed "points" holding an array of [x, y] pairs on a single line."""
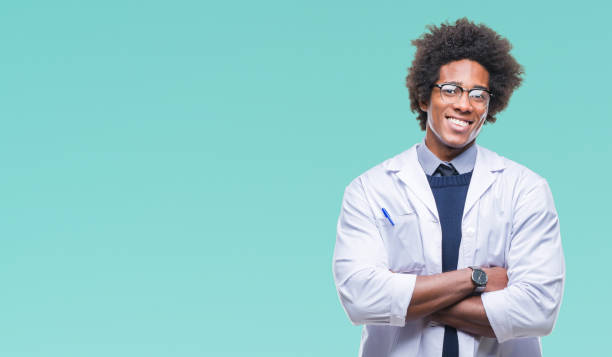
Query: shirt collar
{"points": [[464, 163]]}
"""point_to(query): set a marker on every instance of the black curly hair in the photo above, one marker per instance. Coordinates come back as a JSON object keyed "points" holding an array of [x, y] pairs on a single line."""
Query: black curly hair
{"points": [[462, 40]]}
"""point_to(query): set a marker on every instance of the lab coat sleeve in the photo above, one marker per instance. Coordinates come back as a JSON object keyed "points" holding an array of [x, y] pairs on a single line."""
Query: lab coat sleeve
{"points": [[368, 291], [529, 305]]}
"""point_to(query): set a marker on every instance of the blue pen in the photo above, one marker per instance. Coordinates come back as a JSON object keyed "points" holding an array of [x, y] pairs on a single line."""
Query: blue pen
{"points": [[388, 217]]}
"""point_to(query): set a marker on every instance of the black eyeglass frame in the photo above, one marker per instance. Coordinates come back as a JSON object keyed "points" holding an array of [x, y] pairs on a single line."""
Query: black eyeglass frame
{"points": [[440, 85]]}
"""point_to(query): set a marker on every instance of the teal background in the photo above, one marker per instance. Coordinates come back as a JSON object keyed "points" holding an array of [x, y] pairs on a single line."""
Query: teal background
{"points": [[172, 172]]}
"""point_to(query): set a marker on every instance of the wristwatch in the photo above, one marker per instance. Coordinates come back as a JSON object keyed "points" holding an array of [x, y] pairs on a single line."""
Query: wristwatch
{"points": [[479, 278]]}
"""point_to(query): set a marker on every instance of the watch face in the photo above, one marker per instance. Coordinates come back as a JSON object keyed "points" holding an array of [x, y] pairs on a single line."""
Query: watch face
{"points": [[479, 277]]}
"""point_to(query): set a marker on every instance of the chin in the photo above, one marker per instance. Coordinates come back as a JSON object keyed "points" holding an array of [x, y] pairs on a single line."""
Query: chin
{"points": [[455, 143]]}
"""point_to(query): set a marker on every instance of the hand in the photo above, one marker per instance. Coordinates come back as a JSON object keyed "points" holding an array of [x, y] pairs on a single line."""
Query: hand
{"points": [[497, 278], [435, 317]]}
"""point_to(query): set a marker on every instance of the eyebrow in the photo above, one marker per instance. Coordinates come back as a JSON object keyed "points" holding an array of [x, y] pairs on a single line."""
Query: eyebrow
{"points": [[460, 84]]}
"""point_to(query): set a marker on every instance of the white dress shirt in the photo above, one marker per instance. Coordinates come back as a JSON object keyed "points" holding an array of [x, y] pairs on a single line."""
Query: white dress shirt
{"points": [[509, 220]]}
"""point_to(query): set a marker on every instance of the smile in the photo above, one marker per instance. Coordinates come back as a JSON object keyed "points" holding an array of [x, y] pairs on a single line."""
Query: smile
{"points": [[462, 123]]}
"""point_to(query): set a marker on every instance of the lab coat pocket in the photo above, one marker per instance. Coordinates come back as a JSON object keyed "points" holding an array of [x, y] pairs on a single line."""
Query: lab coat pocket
{"points": [[403, 243]]}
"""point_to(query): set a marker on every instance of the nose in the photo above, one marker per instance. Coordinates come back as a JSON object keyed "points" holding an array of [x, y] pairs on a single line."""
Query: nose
{"points": [[463, 103]]}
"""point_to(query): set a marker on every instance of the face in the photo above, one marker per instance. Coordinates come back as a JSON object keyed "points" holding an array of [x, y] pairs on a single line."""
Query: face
{"points": [[453, 127]]}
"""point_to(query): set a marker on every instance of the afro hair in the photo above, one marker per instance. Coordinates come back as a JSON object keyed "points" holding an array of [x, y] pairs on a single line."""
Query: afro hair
{"points": [[462, 40]]}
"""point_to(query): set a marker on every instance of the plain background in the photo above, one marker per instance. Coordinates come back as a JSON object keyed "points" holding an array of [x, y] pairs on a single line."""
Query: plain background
{"points": [[172, 172]]}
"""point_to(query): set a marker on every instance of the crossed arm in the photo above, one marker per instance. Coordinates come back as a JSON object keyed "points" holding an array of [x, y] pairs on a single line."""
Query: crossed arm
{"points": [[527, 307], [446, 298]]}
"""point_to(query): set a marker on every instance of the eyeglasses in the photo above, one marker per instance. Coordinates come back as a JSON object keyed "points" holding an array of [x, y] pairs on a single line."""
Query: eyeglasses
{"points": [[452, 93]]}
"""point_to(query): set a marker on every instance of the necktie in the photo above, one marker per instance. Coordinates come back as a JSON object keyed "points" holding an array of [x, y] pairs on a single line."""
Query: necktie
{"points": [[447, 170], [450, 346]]}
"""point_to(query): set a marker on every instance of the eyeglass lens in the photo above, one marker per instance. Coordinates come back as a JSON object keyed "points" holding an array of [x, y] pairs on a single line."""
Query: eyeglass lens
{"points": [[451, 93]]}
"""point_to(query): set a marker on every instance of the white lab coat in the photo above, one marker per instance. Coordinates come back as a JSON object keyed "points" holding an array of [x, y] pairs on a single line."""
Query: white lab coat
{"points": [[509, 220]]}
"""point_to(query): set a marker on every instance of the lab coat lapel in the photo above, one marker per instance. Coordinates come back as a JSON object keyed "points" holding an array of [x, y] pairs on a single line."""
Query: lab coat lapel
{"points": [[487, 162], [409, 170]]}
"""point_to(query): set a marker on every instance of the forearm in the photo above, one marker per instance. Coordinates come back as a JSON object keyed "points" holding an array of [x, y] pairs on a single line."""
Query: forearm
{"points": [[434, 292], [467, 315]]}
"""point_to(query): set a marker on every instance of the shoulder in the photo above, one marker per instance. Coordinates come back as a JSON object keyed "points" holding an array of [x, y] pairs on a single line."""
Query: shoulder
{"points": [[382, 174], [509, 168], [519, 178]]}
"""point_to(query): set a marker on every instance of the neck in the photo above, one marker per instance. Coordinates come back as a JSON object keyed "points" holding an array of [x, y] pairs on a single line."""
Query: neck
{"points": [[443, 151]]}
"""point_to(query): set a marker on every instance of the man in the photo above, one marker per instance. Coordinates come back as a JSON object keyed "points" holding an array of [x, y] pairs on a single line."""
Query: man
{"points": [[448, 249]]}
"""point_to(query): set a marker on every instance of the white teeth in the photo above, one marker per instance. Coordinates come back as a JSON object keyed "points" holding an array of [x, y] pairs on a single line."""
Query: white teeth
{"points": [[458, 122]]}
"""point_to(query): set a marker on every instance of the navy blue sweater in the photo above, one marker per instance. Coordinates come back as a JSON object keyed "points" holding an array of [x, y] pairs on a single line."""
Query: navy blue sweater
{"points": [[449, 193]]}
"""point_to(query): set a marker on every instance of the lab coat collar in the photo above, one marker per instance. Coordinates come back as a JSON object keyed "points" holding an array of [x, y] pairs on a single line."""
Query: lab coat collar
{"points": [[485, 168], [407, 168]]}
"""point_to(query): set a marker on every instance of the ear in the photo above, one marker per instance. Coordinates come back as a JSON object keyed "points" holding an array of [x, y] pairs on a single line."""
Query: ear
{"points": [[423, 106]]}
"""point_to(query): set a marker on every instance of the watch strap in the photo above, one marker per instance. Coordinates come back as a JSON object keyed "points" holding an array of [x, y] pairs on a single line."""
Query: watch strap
{"points": [[480, 289]]}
